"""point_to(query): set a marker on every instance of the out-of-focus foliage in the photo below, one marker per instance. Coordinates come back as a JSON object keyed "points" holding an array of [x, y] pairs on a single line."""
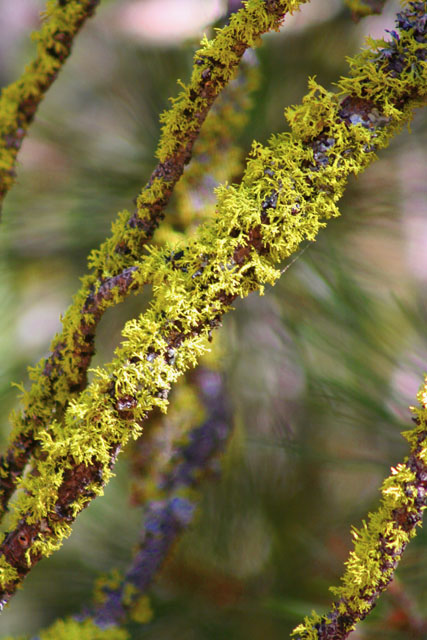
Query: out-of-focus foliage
{"points": [[320, 370]]}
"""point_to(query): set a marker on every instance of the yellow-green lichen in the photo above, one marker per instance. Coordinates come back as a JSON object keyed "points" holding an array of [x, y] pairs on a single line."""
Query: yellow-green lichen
{"points": [[19, 101], [8, 573], [55, 383], [220, 56], [380, 542], [70, 629], [164, 435], [104, 583], [216, 158], [234, 254], [307, 629], [361, 8], [142, 612], [139, 606]]}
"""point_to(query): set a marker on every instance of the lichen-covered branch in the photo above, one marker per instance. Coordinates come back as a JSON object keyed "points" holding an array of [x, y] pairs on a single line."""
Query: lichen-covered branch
{"points": [[170, 484], [216, 158], [380, 543], [288, 192], [170, 511], [20, 100], [63, 374]]}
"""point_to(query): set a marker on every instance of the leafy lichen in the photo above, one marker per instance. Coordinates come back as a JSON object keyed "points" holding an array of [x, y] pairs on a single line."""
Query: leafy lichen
{"points": [[288, 192], [380, 542]]}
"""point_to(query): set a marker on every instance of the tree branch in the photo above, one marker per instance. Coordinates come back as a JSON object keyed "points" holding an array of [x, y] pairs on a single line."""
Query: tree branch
{"points": [[289, 191], [116, 266], [167, 516], [379, 545], [20, 100]]}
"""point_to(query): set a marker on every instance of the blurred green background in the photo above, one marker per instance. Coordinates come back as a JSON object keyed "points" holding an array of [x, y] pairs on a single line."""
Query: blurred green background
{"points": [[320, 370]]}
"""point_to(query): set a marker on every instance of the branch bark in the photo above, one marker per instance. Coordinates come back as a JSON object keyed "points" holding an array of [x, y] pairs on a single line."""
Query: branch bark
{"points": [[380, 543], [166, 517], [116, 266], [20, 100], [289, 191]]}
